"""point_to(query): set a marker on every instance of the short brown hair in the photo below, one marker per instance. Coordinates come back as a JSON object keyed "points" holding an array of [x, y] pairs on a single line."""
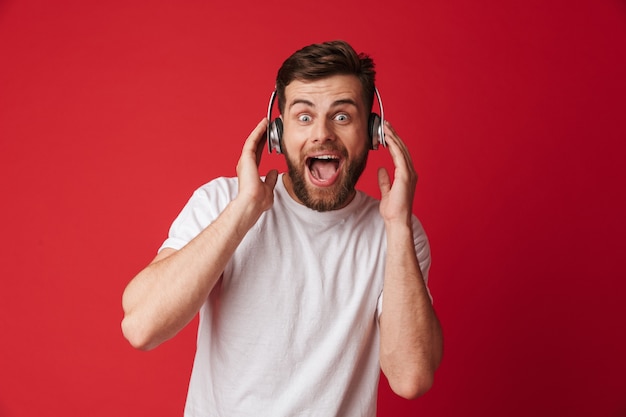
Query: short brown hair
{"points": [[323, 60]]}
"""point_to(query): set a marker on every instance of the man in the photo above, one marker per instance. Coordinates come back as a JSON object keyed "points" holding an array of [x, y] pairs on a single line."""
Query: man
{"points": [[287, 271]]}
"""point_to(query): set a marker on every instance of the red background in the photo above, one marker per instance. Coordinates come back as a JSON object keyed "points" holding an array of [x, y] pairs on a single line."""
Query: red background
{"points": [[112, 113]]}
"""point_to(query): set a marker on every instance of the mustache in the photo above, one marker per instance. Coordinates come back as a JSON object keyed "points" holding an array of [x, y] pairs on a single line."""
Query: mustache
{"points": [[327, 147]]}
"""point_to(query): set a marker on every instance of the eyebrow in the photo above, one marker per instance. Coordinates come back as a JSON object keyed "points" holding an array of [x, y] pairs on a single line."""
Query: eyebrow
{"points": [[334, 104]]}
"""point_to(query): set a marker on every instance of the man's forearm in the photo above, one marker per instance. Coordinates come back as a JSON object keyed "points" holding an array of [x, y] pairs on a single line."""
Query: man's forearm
{"points": [[166, 295], [411, 341]]}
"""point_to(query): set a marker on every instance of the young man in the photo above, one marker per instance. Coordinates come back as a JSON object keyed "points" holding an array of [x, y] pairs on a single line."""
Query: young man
{"points": [[306, 287]]}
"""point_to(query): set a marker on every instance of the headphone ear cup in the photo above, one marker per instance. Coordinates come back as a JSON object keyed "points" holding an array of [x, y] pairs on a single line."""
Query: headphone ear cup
{"points": [[275, 135], [374, 129]]}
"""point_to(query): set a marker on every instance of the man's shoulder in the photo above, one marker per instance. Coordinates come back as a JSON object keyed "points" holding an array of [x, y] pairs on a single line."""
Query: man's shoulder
{"points": [[219, 186], [216, 193], [220, 182]]}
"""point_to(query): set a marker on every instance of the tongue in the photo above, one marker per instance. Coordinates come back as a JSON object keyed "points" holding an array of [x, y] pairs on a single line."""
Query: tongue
{"points": [[323, 170]]}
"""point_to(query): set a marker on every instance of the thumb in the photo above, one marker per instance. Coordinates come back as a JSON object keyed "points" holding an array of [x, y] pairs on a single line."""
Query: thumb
{"points": [[384, 183], [271, 177]]}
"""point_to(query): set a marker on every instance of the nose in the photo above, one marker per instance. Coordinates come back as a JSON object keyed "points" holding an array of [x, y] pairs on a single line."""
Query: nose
{"points": [[322, 131]]}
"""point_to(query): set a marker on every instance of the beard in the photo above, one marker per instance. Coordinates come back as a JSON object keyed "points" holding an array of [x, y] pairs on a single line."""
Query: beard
{"points": [[327, 198]]}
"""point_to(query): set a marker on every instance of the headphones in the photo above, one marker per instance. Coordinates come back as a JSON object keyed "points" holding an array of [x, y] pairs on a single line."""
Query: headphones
{"points": [[375, 128]]}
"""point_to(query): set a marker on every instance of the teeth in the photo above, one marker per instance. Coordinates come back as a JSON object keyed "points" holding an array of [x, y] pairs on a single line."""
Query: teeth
{"points": [[326, 157]]}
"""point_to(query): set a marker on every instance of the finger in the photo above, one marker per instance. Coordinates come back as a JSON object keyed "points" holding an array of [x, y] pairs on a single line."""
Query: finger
{"points": [[256, 136], [249, 154], [391, 133], [260, 147], [398, 149]]}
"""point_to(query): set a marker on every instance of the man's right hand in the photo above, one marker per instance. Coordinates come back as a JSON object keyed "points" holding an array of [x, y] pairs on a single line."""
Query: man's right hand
{"points": [[253, 190]]}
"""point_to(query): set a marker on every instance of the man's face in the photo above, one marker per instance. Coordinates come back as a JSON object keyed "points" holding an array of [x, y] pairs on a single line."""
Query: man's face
{"points": [[325, 140]]}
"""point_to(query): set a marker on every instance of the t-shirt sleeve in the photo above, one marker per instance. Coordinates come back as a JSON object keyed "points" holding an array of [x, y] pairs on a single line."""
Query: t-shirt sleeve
{"points": [[204, 206], [422, 248]]}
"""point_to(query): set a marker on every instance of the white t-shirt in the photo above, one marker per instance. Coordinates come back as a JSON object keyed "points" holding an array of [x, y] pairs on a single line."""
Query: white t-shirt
{"points": [[291, 329]]}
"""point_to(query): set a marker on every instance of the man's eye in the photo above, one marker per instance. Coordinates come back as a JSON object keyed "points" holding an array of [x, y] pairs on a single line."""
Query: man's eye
{"points": [[341, 117], [304, 118]]}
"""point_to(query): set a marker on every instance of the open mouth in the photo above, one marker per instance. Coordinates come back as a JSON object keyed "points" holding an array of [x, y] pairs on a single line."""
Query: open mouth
{"points": [[324, 169]]}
